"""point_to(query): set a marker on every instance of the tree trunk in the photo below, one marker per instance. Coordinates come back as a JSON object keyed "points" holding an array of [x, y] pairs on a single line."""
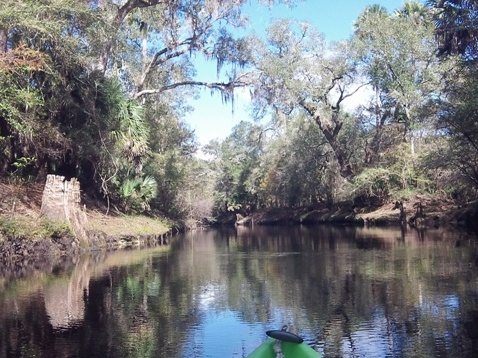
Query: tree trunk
{"points": [[330, 127]]}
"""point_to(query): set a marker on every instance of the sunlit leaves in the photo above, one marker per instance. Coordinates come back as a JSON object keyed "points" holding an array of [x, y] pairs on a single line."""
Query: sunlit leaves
{"points": [[396, 53], [137, 193], [235, 159], [61, 28], [132, 131], [298, 72]]}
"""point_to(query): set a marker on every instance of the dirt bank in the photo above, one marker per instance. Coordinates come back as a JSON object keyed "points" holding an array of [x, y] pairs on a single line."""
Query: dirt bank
{"points": [[24, 234], [420, 211]]}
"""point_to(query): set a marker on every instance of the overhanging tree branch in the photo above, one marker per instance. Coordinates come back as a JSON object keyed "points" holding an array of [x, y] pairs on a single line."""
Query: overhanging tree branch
{"points": [[224, 87], [118, 20]]}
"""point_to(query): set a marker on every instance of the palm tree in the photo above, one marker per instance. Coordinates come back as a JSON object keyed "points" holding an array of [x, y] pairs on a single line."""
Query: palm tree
{"points": [[137, 193], [372, 10], [456, 23], [413, 9]]}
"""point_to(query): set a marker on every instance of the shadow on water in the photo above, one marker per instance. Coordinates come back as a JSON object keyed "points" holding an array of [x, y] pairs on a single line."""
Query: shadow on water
{"points": [[350, 292]]}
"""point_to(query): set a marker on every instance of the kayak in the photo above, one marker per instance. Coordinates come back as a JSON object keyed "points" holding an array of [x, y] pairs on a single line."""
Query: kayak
{"points": [[289, 344]]}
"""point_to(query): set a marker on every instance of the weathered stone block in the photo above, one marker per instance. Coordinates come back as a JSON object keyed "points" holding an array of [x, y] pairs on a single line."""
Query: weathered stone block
{"points": [[61, 202]]}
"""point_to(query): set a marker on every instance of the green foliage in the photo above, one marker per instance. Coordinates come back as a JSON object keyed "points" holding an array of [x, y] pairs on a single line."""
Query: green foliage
{"points": [[129, 130], [373, 186], [458, 120], [115, 143], [21, 164], [50, 228], [43, 72], [19, 228], [98, 92], [395, 54], [294, 166], [170, 171], [136, 194], [234, 161], [8, 228], [196, 195], [20, 104], [456, 23]]}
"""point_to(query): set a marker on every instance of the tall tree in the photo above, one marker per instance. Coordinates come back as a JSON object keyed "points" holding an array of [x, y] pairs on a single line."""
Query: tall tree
{"points": [[153, 45], [458, 120], [298, 72], [59, 60], [44, 64], [295, 166], [234, 159], [396, 55]]}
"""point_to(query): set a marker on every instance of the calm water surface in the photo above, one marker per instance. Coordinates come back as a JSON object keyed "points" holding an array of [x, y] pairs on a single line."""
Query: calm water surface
{"points": [[350, 292]]}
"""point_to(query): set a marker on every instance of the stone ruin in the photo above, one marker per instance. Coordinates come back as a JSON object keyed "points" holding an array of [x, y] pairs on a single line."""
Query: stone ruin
{"points": [[61, 201]]}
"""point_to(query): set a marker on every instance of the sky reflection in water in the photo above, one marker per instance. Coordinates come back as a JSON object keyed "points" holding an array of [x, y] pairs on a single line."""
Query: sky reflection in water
{"points": [[350, 292]]}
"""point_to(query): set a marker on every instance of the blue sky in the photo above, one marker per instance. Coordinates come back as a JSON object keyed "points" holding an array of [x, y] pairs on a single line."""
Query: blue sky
{"points": [[333, 18]]}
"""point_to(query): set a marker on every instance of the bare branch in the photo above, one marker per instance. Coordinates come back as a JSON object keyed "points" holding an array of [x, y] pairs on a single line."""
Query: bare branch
{"points": [[131, 5], [350, 94], [155, 62]]}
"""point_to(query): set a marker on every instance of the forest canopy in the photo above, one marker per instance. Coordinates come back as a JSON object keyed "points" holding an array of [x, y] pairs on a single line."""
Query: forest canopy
{"points": [[99, 90]]}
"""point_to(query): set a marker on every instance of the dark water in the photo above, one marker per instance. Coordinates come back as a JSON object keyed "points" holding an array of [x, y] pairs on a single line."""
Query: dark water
{"points": [[350, 292]]}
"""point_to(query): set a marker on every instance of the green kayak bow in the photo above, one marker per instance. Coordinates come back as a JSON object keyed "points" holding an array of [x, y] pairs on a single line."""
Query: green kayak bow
{"points": [[286, 343]]}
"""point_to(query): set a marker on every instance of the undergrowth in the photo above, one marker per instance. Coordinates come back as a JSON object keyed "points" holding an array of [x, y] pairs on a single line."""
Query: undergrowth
{"points": [[22, 227]]}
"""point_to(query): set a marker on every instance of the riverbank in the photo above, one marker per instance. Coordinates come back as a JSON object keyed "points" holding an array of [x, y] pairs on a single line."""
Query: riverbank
{"points": [[419, 211], [24, 234]]}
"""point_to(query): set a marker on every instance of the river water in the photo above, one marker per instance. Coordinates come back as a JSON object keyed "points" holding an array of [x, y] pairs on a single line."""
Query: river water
{"points": [[349, 292]]}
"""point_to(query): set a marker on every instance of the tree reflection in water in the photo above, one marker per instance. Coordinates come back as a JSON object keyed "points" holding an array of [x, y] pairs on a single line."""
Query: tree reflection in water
{"points": [[351, 292]]}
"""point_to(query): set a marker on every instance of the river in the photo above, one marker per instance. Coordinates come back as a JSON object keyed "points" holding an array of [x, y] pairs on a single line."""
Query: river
{"points": [[349, 292]]}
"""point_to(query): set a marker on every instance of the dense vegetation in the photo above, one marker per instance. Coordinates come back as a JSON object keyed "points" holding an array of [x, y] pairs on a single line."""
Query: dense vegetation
{"points": [[96, 89]]}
